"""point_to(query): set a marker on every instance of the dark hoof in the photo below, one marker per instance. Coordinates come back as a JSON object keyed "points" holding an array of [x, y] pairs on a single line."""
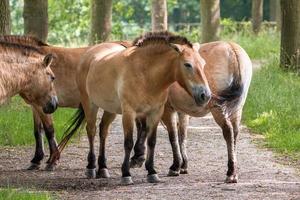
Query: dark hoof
{"points": [[50, 167], [137, 162], [153, 178], [184, 171], [126, 180], [173, 173], [90, 173], [103, 173], [231, 179], [33, 166]]}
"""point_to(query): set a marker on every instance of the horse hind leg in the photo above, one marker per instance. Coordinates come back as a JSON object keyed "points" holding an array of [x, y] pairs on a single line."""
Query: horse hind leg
{"points": [[229, 136], [138, 159], [91, 117], [39, 144], [104, 127], [182, 135]]}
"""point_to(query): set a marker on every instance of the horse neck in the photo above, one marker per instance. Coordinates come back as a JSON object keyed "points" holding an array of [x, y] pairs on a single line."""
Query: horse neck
{"points": [[163, 71], [13, 79]]}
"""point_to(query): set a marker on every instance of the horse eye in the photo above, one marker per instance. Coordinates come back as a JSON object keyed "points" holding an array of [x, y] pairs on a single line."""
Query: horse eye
{"points": [[188, 65]]}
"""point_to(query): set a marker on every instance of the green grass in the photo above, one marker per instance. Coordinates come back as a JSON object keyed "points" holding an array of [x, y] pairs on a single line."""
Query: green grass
{"points": [[273, 108], [16, 123], [13, 194]]}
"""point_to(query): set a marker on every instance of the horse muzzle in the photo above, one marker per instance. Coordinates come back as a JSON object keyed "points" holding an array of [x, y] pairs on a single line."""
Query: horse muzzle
{"points": [[201, 95], [51, 105]]}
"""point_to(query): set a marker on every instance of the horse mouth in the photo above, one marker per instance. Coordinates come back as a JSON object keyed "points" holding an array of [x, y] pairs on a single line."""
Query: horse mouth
{"points": [[201, 95], [51, 105]]}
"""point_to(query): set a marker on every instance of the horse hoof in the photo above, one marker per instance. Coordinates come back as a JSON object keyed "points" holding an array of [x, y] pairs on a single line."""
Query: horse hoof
{"points": [[127, 180], [183, 171], [173, 173], [231, 179], [103, 173], [50, 167], [90, 173], [33, 166], [137, 162], [153, 178]]}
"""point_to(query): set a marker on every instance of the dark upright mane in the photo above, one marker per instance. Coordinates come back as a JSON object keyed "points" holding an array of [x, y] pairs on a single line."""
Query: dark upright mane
{"points": [[163, 37], [26, 45]]}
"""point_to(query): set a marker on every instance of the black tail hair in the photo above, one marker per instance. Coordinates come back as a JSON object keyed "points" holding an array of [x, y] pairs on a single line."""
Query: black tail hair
{"points": [[75, 123]]}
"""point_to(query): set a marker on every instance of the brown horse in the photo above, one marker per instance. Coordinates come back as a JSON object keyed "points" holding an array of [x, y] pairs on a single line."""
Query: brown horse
{"points": [[134, 82], [64, 67], [33, 81], [228, 70]]}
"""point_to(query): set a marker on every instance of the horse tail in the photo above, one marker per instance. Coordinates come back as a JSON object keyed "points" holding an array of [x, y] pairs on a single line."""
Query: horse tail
{"points": [[75, 123], [230, 97]]}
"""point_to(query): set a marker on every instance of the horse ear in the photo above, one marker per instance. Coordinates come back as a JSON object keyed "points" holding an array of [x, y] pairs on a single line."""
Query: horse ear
{"points": [[196, 46], [176, 47], [48, 60]]}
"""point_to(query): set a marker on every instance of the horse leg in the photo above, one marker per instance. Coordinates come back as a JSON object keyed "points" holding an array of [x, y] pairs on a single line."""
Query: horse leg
{"points": [[128, 118], [151, 124], [104, 127], [228, 134], [138, 158], [91, 118], [39, 144], [183, 121], [169, 121]]}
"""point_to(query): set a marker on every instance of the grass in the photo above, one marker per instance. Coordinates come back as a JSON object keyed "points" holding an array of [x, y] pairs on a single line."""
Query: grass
{"points": [[273, 108], [16, 123], [13, 194]]}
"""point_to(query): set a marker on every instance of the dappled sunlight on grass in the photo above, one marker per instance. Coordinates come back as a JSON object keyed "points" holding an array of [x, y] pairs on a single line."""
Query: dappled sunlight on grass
{"points": [[12, 194], [273, 109]]}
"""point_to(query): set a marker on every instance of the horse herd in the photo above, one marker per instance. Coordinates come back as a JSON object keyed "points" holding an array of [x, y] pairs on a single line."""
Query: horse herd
{"points": [[148, 81]]}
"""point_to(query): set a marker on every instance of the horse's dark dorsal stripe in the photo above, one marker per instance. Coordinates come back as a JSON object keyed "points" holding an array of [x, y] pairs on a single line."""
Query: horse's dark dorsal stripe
{"points": [[164, 37]]}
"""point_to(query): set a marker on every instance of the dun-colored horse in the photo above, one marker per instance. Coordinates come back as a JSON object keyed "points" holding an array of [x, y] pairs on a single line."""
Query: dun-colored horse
{"points": [[228, 70], [64, 67], [134, 82], [33, 81]]}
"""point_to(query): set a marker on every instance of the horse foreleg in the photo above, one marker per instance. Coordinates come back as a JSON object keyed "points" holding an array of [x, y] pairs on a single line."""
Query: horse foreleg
{"points": [[138, 158], [104, 127], [128, 118], [151, 124], [169, 121], [183, 121], [39, 144], [229, 137]]}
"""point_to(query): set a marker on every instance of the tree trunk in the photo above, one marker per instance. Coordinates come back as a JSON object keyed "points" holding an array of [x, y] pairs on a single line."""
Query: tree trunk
{"points": [[159, 15], [257, 15], [275, 12], [36, 18], [210, 20], [101, 20], [290, 34], [5, 22]]}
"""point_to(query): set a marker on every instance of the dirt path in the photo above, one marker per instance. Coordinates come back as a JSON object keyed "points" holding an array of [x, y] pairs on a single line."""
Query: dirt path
{"points": [[260, 177]]}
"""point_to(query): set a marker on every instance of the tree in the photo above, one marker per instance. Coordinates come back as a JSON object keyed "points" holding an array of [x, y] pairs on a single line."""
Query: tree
{"points": [[159, 15], [35, 16], [290, 34], [5, 22], [210, 19], [101, 20], [275, 12], [257, 15]]}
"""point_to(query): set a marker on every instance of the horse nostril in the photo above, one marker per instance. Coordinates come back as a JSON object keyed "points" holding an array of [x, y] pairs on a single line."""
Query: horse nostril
{"points": [[203, 96]]}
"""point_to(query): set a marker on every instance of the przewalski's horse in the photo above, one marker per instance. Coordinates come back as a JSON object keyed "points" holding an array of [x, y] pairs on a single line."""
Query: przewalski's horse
{"points": [[33, 80], [134, 82], [228, 70], [64, 67]]}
